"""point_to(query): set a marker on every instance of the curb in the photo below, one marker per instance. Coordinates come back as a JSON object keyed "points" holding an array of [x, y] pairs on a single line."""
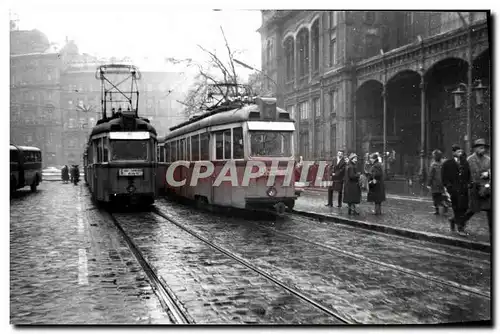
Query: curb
{"points": [[389, 196], [418, 235]]}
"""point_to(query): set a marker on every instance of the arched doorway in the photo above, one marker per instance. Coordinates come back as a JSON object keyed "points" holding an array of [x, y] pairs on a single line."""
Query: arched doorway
{"points": [[369, 118], [445, 124], [404, 120], [481, 113]]}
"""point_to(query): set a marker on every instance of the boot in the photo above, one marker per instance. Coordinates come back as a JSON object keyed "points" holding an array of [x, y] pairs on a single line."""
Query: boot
{"points": [[378, 209]]}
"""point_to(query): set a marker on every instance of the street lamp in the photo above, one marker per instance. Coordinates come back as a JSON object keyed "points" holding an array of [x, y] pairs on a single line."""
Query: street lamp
{"points": [[460, 92]]}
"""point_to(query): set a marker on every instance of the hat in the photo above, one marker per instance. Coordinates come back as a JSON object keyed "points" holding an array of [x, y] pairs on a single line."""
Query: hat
{"points": [[480, 142], [352, 156], [374, 156], [455, 147]]}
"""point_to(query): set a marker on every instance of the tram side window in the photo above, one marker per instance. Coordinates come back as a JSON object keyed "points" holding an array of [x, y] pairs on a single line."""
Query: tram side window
{"points": [[97, 144], [219, 146], [227, 144], [161, 153], [205, 146], [167, 152], [104, 144], [238, 151], [195, 147], [182, 149], [173, 157], [188, 148], [39, 156]]}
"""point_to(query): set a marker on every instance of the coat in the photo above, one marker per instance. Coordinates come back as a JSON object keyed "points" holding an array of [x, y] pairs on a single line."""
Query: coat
{"points": [[477, 167], [435, 181], [65, 173], [337, 172], [456, 178], [376, 192], [352, 188]]}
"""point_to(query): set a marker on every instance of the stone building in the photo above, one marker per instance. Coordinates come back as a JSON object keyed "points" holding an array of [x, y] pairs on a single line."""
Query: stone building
{"points": [[34, 94], [342, 73]]}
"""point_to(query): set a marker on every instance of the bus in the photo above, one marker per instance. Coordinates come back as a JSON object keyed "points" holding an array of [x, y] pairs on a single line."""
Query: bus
{"points": [[25, 167]]}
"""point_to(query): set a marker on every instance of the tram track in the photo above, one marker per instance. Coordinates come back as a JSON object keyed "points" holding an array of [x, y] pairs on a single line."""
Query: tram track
{"points": [[167, 298], [255, 269]]}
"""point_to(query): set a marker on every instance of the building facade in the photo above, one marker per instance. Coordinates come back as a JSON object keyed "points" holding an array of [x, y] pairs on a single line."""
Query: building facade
{"points": [[34, 94], [343, 73], [55, 97]]}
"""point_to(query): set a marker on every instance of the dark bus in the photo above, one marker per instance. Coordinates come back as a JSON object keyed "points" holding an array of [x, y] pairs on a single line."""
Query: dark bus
{"points": [[25, 167]]}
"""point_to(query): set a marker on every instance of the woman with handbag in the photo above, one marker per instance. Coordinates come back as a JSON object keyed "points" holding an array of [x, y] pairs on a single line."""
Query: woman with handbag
{"points": [[376, 187], [352, 188]]}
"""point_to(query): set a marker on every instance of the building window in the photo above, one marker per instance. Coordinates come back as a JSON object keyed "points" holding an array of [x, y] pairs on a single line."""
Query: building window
{"points": [[316, 108], [370, 17], [408, 26], [333, 52], [303, 40], [319, 140], [333, 104], [304, 110], [315, 45], [333, 136], [333, 20], [72, 143], [28, 138], [304, 144], [290, 59], [72, 123]]}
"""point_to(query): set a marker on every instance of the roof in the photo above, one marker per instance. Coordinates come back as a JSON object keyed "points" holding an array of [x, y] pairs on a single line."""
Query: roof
{"points": [[24, 148], [232, 116], [105, 126]]}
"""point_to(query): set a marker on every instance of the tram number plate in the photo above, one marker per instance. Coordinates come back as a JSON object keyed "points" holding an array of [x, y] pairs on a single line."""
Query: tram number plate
{"points": [[131, 172]]}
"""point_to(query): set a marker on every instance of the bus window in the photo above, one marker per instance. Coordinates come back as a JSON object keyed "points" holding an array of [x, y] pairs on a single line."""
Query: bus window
{"points": [[238, 143], [205, 146], [227, 144], [188, 148], [195, 147], [14, 156], [219, 146]]}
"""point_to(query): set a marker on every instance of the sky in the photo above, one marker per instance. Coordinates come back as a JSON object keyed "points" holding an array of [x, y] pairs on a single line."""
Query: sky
{"points": [[147, 33]]}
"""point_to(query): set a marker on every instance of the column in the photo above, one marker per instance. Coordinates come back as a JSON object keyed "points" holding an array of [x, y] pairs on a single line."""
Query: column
{"points": [[384, 101], [422, 131]]}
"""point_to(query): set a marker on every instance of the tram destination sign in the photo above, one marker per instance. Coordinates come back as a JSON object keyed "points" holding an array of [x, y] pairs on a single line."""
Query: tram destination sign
{"points": [[130, 172]]}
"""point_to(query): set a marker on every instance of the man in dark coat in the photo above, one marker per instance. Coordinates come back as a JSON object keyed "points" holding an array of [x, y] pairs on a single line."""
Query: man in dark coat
{"points": [[337, 172], [480, 192], [376, 187], [456, 178], [352, 190]]}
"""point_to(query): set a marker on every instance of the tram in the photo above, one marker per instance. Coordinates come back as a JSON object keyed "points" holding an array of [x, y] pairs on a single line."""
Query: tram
{"points": [[120, 156], [235, 132]]}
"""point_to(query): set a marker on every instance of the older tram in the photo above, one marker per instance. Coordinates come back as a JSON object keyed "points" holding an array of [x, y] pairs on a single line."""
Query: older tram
{"points": [[239, 133], [120, 157]]}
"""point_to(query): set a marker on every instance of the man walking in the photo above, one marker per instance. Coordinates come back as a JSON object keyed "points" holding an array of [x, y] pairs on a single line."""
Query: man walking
{"points": [[456, 178], [480, 193], [337, 172]]}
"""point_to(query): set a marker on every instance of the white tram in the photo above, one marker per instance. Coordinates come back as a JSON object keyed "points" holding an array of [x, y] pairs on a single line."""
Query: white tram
{"points": [[237, 134]]}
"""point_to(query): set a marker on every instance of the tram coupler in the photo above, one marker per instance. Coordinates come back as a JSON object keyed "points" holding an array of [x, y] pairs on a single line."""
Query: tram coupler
{"points": [[280, 208]]}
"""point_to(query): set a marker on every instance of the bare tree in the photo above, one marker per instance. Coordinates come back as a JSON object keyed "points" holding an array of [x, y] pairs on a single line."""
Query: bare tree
{"points": [[214, 72]]}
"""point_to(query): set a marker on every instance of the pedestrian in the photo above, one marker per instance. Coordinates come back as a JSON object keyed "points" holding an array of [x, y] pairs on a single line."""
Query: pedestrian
{"points": [[71, 172], [409, 171], [65, 174], [337, 173], [352, 188], [455, 175], [480, 192], [435, 183], [376, 187]]}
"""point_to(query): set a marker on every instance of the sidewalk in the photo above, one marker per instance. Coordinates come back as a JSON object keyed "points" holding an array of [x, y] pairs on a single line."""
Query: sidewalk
{"points": [[410, 217]]}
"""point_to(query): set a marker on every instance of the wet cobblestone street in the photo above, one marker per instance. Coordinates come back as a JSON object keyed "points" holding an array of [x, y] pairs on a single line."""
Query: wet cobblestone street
{"points": [[68, 266], [71, 265]]}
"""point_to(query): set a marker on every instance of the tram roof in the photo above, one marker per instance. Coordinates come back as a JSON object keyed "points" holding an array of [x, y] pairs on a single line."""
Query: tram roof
{"points": [[117, 122], [242, 114]]}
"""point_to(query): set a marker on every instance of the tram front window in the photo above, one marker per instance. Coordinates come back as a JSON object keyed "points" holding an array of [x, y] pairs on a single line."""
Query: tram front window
{"points": [[270, 144], [129, 149]]}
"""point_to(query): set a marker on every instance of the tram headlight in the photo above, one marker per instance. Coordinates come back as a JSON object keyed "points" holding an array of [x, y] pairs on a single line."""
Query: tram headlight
{"points": [[271, 192]]}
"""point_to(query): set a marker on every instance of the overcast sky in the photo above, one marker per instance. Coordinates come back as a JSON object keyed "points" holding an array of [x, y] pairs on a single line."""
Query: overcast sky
{"points": [[148, 33]]}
